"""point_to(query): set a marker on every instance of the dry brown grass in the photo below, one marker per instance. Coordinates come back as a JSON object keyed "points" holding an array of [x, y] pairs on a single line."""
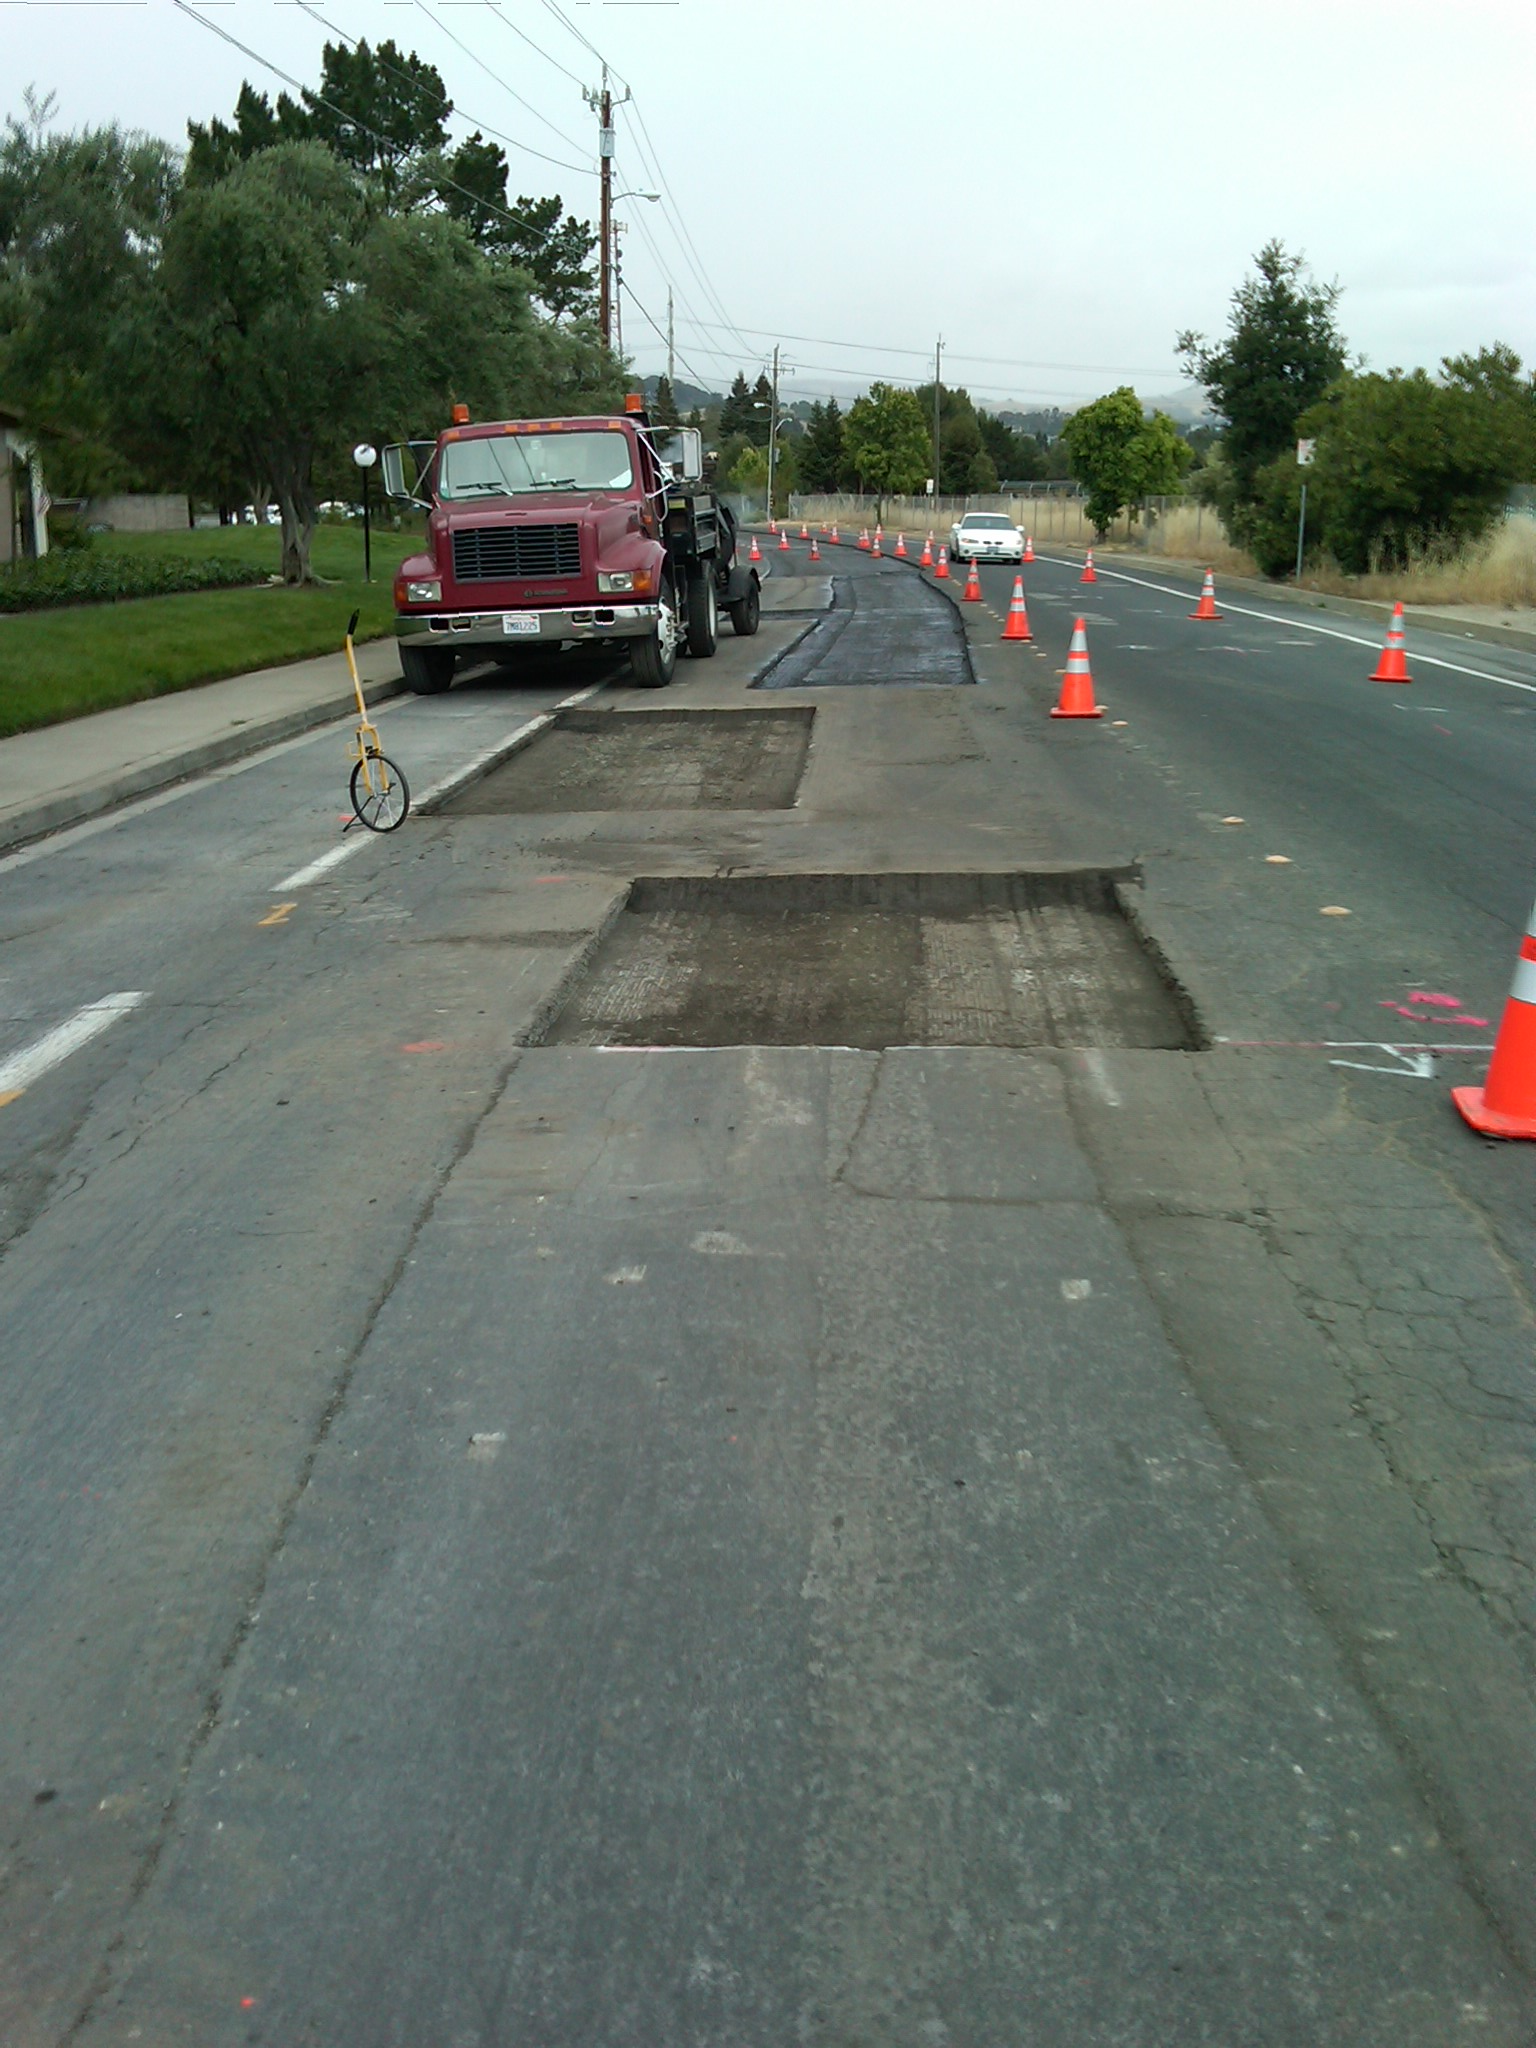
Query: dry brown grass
{"points": [[1499, 569], [1193, 533]]}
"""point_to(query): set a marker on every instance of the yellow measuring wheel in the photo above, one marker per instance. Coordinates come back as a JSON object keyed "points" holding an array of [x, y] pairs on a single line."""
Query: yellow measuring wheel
{"points": [[381, 795]]}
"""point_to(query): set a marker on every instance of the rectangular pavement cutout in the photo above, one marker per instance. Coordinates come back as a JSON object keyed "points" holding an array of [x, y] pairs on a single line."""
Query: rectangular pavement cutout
{"points": [[1022, 959], [660, 760]]}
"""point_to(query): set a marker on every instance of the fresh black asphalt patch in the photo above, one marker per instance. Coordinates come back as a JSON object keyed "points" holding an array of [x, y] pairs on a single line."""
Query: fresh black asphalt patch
{"points": [[886, 627]]}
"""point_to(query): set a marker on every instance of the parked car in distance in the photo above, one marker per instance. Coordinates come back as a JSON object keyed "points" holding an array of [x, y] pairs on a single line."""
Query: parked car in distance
{"points": [[985, 537]]}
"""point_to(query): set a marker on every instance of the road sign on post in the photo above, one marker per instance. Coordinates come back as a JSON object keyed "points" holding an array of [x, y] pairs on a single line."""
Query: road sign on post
{"points": [[1304, 454], [365, 455]]}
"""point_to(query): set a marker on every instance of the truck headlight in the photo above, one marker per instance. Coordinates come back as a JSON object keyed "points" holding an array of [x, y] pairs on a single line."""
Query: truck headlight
{"points": [[615, 579], [424, 592]]}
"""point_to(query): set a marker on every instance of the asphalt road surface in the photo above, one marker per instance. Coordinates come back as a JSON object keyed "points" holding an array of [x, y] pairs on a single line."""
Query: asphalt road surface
{"points": [[514, 1540]]}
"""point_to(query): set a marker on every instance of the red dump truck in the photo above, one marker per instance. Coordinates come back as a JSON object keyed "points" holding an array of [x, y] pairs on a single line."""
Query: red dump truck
{"points": [[547, 533]]}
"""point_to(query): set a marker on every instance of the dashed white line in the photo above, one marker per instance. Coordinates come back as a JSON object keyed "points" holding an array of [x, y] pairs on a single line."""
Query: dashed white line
{"points": [[30, 1064], [470, 771], [1457, 668]]}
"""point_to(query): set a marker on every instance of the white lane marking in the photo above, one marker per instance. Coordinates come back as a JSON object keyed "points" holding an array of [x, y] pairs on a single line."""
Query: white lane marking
{"points": [[140, 806], [1456, 668], [33, 1061], [302, 877]]}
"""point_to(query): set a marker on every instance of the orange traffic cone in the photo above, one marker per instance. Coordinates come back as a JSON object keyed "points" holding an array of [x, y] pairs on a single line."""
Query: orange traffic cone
{"points": [[1505, 1105], [925, 559], [1017, 625], [1076, 700], [1029, 549], [972, 591], [783, 542], [879, 535], [805, 531], [832, 536], [901, 547], [943, 568], [1393, 665], [874, 546], [864, 539], [1088, 575], [1206, 609], [754, 553], [815, 554], [772, 526]]}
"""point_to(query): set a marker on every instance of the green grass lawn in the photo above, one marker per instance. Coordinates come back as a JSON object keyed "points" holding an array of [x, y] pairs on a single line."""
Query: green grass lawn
{"points": [[62, 664]]}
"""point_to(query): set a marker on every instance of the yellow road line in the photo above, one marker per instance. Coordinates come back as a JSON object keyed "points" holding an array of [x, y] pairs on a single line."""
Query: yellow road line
{"points": [[11, 1095], [278, 914]]}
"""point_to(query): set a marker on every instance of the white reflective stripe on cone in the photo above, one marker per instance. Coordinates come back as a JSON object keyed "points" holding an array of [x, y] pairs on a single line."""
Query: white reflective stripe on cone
{"points": [[1523, 988]]}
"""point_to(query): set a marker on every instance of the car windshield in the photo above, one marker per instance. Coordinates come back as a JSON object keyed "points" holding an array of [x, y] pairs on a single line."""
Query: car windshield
{"points": [[507, 465], [993, 521]]}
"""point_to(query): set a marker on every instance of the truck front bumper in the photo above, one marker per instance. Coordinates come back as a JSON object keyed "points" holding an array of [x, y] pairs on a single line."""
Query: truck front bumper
{"points": [[493, 629]]}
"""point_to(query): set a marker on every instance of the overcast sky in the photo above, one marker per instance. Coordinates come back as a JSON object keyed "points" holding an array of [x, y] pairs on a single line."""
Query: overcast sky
{"points": [[1055, 190]]}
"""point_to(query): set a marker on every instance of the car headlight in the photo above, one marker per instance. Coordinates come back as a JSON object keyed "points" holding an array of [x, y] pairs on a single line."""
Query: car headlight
{"points": [[428, 591], [615, 579]]}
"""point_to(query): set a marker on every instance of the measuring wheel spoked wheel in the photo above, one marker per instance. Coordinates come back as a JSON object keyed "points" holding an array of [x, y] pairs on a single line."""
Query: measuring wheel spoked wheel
{"points": [[381, 796]]}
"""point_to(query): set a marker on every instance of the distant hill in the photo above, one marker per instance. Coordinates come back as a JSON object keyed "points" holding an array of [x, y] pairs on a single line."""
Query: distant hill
{"points": [[686, 395]]}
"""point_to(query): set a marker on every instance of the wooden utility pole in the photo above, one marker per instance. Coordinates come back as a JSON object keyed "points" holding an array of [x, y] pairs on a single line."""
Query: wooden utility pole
{"points": [[601, 100]]}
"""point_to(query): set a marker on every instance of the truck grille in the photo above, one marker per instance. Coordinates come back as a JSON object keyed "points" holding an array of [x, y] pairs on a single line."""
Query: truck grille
{"points": [[499, 554]]}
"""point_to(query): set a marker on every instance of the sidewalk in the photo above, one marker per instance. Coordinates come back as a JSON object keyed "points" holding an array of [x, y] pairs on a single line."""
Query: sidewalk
{"points": [[61, 774]]}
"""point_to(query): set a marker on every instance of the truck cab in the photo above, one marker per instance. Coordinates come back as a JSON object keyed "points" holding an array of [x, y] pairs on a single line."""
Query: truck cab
{"points": [[549, 533]]}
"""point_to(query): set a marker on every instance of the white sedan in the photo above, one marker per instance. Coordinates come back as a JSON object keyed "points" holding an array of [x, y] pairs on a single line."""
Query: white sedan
{"points": [[985, 537]]}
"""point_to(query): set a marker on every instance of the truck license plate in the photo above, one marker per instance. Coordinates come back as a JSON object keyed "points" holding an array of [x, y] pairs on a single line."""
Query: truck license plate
{"points": [[519, 622]]}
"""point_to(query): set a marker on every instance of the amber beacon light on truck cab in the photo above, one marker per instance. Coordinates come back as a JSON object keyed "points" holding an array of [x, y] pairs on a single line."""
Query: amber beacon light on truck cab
{"points": [[546, 533]]}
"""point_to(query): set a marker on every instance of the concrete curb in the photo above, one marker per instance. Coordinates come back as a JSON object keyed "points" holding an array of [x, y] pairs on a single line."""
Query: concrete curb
{"points": [[75, 806]]}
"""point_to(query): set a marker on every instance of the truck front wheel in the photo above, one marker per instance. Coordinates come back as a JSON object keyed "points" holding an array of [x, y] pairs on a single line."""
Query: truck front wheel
{"points": [[427, 670], [703, 613], [653, 660], [745, 613]]}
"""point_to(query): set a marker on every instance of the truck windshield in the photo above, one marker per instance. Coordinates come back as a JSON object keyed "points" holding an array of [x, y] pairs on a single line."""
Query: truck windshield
{"points": [[506, 465]]}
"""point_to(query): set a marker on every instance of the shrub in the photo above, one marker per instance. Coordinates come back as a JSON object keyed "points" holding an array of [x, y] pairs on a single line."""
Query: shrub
{"points": [[84, 576]]}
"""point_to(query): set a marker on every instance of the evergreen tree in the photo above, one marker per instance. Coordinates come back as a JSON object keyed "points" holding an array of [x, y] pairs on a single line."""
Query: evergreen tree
{"points": [[820, 453], [664, 406], [735, 409], [757, 426]]}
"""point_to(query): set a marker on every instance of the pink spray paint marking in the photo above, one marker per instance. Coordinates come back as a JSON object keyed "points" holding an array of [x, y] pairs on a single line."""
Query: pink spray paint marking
{"points": [[1438, 1002], [1472, 1023]]}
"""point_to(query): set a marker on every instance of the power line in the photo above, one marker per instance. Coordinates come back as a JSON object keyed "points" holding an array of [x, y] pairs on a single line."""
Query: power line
{"points": [[510, 91], [650, 322], [650, 157], [518, 219], [1000, 362], [528, 39]]}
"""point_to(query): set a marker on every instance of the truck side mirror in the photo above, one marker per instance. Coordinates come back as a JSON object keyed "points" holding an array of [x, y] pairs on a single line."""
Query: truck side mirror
{"points": [[403, 465], [682, 454]]}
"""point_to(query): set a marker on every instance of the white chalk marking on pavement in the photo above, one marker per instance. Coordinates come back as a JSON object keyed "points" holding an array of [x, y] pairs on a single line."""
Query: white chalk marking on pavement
{"points": [[1456, 668], [1076, 1290], [33, 1061], [1098, 1073]]}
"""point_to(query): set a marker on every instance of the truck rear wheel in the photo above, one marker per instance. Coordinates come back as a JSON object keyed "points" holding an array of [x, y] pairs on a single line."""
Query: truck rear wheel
{"points": [[703, 613], [653, 660], [427, 670], [745, 613]]}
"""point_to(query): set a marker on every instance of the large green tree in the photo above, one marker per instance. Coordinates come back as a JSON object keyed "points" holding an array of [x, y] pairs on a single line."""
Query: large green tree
{"points": [[820, 454], [1404, 464], [81, 221], [1121, 455], [1281, 352], [888, 442], [289, 317]]}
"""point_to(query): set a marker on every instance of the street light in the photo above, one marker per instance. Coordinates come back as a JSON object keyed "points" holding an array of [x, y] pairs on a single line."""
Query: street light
{"points": [[365, 455]]}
